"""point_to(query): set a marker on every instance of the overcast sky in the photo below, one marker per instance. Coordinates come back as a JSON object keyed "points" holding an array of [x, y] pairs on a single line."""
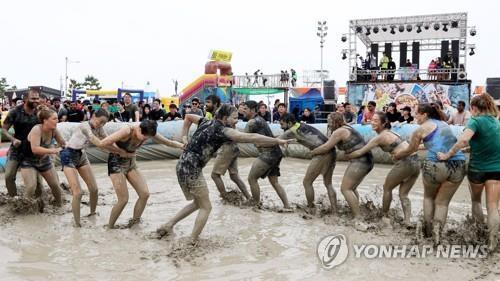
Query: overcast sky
{"points": [[138, 41]]}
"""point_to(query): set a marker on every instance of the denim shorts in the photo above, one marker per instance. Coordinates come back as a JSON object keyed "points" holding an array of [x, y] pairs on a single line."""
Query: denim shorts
{"points": [[41, 164], [73, 158]]}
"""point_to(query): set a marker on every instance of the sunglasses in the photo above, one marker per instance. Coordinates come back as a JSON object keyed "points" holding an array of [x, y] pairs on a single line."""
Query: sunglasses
{"points": [[195, 103]]}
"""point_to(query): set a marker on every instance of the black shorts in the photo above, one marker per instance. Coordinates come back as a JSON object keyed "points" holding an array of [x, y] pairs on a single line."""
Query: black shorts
{"points": [[73, 158], [482, 177], [117, 164], [42, 164], [273, 169]]}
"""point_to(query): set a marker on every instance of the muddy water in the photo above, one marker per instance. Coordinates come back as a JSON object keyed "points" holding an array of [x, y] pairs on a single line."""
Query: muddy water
{"points": [[237, 243]]}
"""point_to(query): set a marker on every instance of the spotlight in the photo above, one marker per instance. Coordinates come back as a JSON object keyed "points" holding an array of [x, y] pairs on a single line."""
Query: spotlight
{"points": [[436, 26], [375, 29], [409, 28], [359, 29], [445, 27], [419, 28], [401, 28], [344, 56], [426, 26], [473, 31], [392, 30], [471, 53], [368, 31], [384, 29], [344, 38], [454, 24]]}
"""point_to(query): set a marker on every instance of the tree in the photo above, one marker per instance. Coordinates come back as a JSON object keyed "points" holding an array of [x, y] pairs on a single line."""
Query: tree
{"points": [[73, 85], [91, 83], [3, 86]]}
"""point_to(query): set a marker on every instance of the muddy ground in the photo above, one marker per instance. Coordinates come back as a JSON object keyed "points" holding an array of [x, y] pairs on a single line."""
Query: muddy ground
{"points": [[239, 242]]}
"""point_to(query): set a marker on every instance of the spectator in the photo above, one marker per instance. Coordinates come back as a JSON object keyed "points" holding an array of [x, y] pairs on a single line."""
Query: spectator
{"points": [[212, 103], [368, 115], [461, 117], [122, 115], [384, 65], [349, 115], [157, 113], [62, 113], [307, 116], [340, 108], [195, 107], [392, 67], [43, 100], [406, 116], [294, 77], [281, 111], [432, 70], [408, 63], [105, 106], [275, 107], [264, 113], [445, 111], [359, 119], [392, 113], [131, 108], [173, 113], [75, 114], [146, 112], [317, 112]]}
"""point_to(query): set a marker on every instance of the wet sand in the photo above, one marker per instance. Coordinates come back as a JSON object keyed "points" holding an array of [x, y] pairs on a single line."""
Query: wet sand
{"points": [[237, 243]]}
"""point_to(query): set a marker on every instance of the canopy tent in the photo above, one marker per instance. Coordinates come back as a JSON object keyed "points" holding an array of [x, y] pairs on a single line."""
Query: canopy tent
{"points": [[309, 99]]}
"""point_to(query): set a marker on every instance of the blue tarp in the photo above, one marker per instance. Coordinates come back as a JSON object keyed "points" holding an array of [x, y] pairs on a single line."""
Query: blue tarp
{"points": [[310, 99]]}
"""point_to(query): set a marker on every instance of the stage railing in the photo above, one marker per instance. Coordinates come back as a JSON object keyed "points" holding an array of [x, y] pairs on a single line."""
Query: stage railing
{"points": [[261, 81], [411, 74]]}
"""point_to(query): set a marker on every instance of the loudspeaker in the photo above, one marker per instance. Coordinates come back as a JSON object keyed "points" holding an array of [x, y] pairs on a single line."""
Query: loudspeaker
{"points": [[374, 50], [388, 49], [403, 49], [445, 47], [329, 90], [493, 87], [415, 54]]}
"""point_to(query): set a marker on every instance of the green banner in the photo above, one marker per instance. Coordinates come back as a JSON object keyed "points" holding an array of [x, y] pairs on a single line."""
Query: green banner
{"points": [[256, 91]]}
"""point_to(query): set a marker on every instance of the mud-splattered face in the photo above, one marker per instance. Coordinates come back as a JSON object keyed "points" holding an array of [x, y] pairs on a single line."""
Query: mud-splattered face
{"points": [[285, 126], [232, 119], [421, 117], [377, 123], [98, 122]]}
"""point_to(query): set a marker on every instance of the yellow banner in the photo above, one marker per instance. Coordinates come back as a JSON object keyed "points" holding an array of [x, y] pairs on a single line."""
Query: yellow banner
{"points": [[218, 55]]}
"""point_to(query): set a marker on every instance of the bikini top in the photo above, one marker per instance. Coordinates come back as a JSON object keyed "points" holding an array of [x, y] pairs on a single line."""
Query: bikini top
{"points": [[390, 147], [128, 145]]}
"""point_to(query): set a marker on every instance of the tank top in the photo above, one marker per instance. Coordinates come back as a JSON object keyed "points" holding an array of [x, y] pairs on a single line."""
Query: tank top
{"points": [[43, 143], [441, 139], [128, 145]]}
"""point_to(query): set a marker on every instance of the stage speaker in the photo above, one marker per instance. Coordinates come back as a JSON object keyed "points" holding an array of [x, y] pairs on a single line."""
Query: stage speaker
{"points": [[445, 48], [329, 90], [388, 49], [455, 50], [415, 54], [403, 49], [462, 75], [374, 50], [493, 87]]}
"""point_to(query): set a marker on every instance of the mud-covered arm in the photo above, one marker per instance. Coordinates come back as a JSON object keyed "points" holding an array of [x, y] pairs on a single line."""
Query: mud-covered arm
{"points": [[116, 136], [59, 139], [374, 142], [163, 140], [413, 146], [463, 141], [337, 136], [7, 123], [252, 138], [287, 135], [189, 119]]}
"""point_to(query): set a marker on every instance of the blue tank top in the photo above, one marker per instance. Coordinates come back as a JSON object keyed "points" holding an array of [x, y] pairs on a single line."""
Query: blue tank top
{"points": [[442, 140]]}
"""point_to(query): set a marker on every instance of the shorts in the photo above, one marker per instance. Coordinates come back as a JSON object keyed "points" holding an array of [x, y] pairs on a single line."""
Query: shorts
{"points": [[73, 158], [404, 169], [117, 164], [191, 180], [267, 169], [359, 167], [42, 164], [437, 173], [226, 160], [482, 177]]}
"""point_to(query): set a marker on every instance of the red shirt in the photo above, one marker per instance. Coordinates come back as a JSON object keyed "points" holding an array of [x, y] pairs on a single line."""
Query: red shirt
{"points": [[368, 115]]}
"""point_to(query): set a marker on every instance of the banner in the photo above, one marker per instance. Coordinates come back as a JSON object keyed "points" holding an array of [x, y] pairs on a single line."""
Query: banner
{"points": [[408, 94], [218, 55]]}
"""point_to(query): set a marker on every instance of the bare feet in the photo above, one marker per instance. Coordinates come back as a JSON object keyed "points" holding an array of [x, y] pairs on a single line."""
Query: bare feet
{"points": [[164, 230], [436, 232], [285, 210], [360, 226], [493, 242]]}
